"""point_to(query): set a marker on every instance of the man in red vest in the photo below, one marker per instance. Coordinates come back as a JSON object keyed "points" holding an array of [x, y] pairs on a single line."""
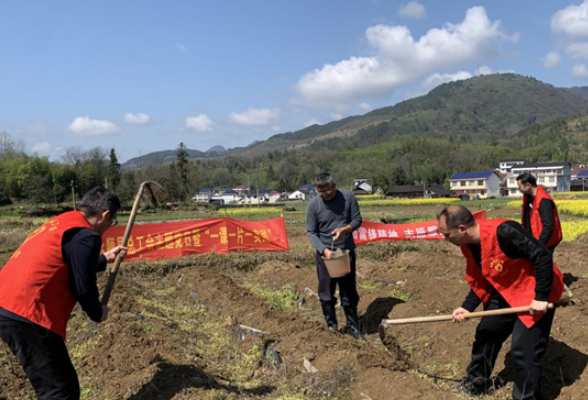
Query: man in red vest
{"points": [[540, 215], [506, 267], [47, 275]]}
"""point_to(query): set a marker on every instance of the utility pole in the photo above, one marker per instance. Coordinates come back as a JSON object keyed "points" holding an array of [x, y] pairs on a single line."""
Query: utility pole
{"points": [[73, 194]]}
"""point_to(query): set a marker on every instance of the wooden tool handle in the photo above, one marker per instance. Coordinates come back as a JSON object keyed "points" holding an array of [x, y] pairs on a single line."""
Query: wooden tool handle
{"points": [[125, 242], [438, 318]]}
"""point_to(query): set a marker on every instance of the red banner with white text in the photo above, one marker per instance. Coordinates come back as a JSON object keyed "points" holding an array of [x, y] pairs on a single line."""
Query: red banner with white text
{"points": [[426, 230], [218, 235]]}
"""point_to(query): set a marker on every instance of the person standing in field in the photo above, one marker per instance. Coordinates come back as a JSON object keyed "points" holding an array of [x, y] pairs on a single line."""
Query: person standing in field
{"points": [[540, 216], [506, 267], [53, 269], [331, 217]]}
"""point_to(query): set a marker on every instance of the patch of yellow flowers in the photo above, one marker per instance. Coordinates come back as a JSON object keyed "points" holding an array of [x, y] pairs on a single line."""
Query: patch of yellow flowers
{"points": [[407, 202], [571, 229], [374, 196], [569, 195], [251, 210], [574, 207]]}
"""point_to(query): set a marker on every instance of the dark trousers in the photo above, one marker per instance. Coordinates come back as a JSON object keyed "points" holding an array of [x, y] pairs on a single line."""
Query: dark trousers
{"points": [[327, 285], [528, 346], [44, 358]]}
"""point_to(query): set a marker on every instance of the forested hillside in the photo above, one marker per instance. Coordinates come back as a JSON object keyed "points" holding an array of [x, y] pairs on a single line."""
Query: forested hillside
{"points": [[460, 126]]}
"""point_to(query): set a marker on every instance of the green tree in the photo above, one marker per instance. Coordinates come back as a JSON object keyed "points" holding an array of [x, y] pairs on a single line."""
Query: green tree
{"points": [[182, 169], [113, 171]]}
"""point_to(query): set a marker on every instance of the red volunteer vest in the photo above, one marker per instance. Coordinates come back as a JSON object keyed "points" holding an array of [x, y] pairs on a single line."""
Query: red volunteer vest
{"points": [[535, 218], [513, 279], [34, 283]]}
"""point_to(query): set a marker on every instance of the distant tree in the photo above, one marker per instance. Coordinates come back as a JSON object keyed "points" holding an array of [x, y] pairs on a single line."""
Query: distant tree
{"points": [[9, 146], [113, 171], [182, 169]]}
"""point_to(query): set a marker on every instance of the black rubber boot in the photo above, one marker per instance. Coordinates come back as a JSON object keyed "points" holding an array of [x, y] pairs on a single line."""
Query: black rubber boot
{"points": [[353, 322], [330, 315]]}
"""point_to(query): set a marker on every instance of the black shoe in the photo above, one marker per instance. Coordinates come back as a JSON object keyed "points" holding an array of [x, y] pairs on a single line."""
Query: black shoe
{"points": [[353, 322], [468, 387], [330, 315]]}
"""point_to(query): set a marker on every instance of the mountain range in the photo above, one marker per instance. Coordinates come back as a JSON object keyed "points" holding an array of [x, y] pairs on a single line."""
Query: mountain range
{"points": [[489, 107]]}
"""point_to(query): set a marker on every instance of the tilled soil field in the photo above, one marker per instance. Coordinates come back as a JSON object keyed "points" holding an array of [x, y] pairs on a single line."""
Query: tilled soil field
{"points": [[248, 326]]}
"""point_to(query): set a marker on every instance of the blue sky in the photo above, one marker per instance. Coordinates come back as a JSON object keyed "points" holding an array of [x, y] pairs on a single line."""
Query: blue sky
{"points": [[145, 76]]}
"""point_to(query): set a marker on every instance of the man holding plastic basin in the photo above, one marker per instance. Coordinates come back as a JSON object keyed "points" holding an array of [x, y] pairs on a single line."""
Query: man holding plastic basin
{"points": [[331, 217]]}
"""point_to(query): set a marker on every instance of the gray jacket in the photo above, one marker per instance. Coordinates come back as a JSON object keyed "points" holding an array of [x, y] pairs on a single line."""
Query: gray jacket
{"points": [[322, 217]]}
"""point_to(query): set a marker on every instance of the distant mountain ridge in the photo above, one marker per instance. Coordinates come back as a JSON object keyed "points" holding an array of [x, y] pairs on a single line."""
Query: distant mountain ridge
{"points": [[579, 91], [480, 108], [216, 149]]}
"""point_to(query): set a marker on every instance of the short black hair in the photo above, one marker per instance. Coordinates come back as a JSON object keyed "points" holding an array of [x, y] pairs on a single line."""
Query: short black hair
{"points": [[526, 178], [455, 216], [324, 179], [99, 199]]}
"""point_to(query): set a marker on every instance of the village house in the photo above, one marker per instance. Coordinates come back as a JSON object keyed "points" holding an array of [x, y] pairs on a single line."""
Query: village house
{"points": [[553, 176], [226, 196], [507, 165], [576, 171], [417, 192], [480, 185], [362, 186], [304, 192], [580, 182], [203, 196]]}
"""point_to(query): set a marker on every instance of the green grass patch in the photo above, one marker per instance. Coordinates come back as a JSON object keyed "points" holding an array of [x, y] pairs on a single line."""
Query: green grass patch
{"points": [[400, 294], [370, 285], [283, 299]]}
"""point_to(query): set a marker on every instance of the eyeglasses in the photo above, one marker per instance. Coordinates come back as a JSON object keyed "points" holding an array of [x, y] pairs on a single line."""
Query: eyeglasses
{"points": [[114, 220]]}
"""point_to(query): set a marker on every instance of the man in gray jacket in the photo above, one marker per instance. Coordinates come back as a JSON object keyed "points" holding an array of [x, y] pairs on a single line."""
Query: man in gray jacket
{"points": [[330, 219]]}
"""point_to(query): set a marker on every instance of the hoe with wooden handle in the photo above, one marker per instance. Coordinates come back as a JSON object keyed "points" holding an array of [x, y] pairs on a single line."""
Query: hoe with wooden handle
{"points": [[438, 318], [154, 192]]}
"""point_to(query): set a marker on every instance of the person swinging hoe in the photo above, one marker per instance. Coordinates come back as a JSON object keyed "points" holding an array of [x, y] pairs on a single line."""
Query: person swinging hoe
{"points": [[506, 267]]}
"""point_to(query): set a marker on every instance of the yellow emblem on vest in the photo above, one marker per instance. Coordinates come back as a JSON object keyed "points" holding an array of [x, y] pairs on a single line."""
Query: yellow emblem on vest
{"points": [[497, 264]]}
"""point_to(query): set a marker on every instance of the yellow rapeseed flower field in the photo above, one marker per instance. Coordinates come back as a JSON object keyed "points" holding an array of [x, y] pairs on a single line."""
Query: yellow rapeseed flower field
{"points": [[573, 207], [406, 202], [571, 229], [373, 196], [579, 195], [251, 210]]}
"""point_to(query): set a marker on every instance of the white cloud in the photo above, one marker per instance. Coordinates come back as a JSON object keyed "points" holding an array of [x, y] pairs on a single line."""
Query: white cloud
{"points": [[200, 123], [255, 117], [42, 148], [181, 48], [486, 70], [311, 122], [551, 60], [399, 59], [365, 107], [84, 126], [572, 20], [336, 116], [437, 79], [577, 50], [434, 80], [580, 71], [139, 118], [413, 10]]}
